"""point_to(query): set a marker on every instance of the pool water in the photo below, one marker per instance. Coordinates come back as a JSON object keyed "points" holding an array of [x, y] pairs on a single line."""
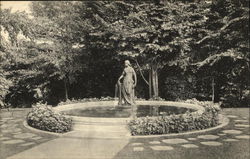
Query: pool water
{"points": [[125, 111]]}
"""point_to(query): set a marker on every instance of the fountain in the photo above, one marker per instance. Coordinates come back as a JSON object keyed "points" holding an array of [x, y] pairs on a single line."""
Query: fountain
{"points": [[120, 113]]}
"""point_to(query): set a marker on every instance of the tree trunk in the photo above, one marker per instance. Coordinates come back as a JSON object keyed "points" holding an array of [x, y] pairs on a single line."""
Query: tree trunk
{"points": [[240, 92], [153, 82], [150, 84], [213, 89], [66, 89], [156, 83]]}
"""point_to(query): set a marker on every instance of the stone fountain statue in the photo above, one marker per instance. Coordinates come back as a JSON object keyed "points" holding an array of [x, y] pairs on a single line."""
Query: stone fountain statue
{"points": [[126, 87]]}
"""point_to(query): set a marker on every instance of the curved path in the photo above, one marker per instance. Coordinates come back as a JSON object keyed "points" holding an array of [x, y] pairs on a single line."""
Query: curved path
{"points": [[229, 142]]}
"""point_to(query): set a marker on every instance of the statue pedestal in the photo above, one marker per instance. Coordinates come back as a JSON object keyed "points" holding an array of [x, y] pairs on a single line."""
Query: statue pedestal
{"points": [[133, 111], [154, 110]]}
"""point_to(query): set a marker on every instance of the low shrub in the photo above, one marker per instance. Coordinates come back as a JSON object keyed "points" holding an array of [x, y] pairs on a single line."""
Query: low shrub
{"points": [[43, 117], [157, 99], [176, 123], [72, 101], [233, 101]]}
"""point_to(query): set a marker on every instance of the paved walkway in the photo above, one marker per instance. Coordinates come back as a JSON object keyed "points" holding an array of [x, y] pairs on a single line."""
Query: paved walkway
{"points": [[14, 137], [229, 142]]}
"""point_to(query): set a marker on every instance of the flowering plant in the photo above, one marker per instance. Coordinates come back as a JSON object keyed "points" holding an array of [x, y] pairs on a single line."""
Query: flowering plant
{"points": [[43, 117]]}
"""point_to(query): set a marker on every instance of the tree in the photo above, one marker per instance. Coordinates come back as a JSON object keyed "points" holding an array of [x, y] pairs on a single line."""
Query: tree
{"points": [[36, 60], [156, 35], [80, 45], [12, 24], [4, 82], [64, 37], [223, 45]]}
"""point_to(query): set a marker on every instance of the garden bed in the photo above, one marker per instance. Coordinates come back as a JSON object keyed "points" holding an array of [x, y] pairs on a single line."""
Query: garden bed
{"points": [[43, 117], [177, 123]]}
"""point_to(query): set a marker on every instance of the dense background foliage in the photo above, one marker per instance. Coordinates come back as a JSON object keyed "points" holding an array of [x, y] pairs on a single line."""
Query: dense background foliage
{"points": [[180, 49]]}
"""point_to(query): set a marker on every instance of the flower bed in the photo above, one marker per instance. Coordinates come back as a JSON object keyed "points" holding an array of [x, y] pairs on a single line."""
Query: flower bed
{"points": [[176, 123], [43, 117]]}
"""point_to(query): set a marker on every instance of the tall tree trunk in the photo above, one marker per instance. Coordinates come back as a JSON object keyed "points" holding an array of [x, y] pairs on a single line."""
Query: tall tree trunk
{"points": [[240, 92], [65, 89], [156, 83], [150, 83], [213, 89], [153, 82]]}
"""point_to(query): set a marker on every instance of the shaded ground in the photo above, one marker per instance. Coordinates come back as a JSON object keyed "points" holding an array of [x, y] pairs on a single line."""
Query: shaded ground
{"points": [[229, 142], [14, 137]]}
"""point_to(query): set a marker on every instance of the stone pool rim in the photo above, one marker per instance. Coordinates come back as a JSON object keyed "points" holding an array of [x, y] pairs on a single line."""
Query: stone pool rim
{"points": [[199, 109], [60, 108]]}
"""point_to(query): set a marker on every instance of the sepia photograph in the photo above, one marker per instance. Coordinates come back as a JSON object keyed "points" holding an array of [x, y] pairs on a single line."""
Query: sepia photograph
{"points": [[125, 79]]}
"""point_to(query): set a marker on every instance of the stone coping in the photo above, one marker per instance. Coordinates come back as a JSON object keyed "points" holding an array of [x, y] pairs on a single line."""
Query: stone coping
{"points": [[200, 109], [12, 109], [114, 103], [100, 120], [26, 125]]}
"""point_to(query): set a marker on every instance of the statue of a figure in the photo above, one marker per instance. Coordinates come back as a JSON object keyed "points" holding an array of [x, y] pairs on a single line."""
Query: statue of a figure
{"points": [[126, 87]]}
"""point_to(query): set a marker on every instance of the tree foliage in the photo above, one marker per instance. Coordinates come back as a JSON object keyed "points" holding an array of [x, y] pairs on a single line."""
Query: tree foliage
{"points": [[75, 49]]}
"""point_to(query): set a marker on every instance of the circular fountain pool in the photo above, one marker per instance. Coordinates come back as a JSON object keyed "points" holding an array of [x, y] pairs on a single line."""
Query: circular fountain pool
{"points": [[126, 111], [104, 119], [109, 109]]}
